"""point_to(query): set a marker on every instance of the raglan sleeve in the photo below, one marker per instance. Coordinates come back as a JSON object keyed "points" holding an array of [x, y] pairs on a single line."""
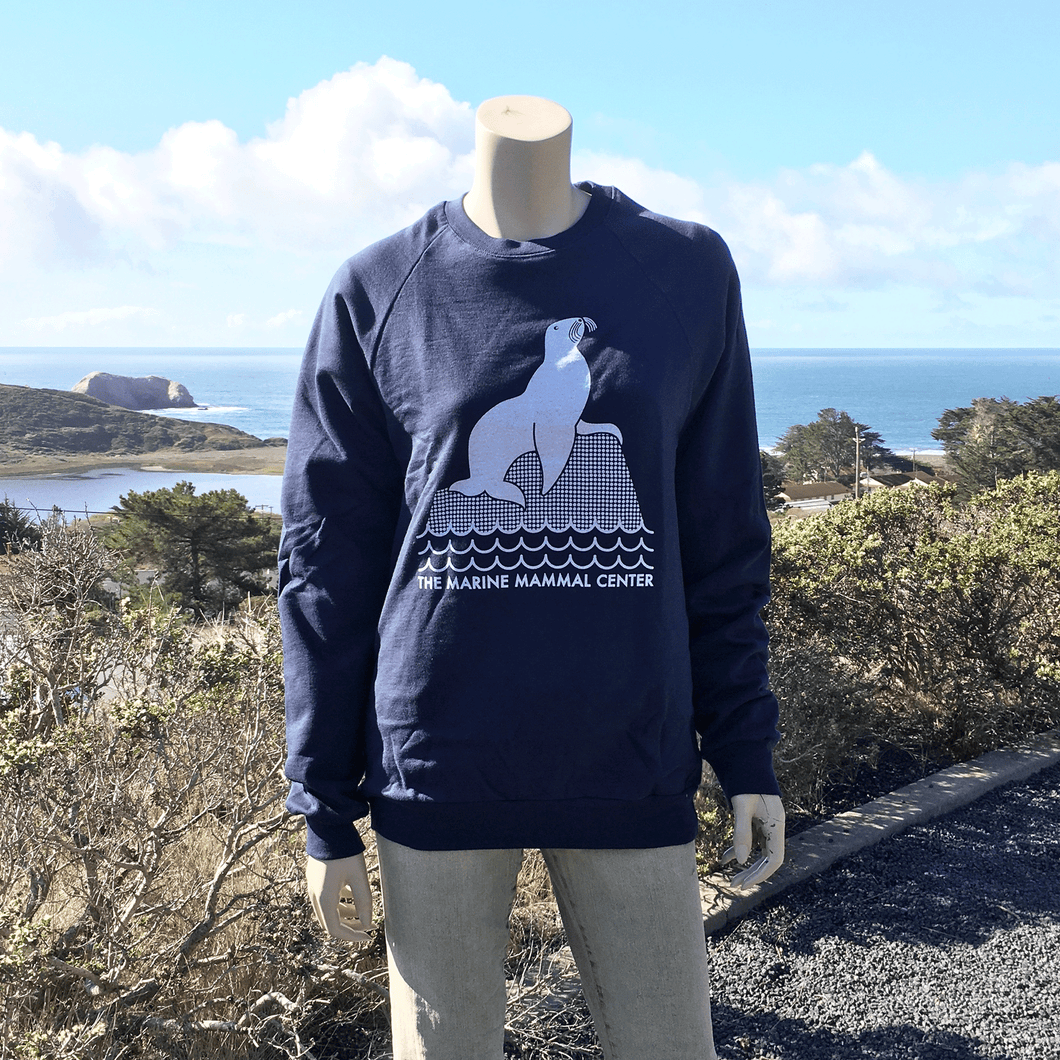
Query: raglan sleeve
{"points": [[341, 496], [725, 553]]}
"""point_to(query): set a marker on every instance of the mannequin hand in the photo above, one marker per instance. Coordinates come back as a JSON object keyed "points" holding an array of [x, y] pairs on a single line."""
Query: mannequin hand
{"points": [[331, 881], [768, 811]]}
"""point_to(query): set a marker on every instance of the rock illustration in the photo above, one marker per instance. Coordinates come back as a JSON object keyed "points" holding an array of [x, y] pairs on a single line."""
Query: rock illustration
{"points": [[135, 392]]}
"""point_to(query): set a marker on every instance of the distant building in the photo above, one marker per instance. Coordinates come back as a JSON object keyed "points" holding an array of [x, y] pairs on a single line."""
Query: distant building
{"points": [[813, 495], [901, 480], [895, 480]]}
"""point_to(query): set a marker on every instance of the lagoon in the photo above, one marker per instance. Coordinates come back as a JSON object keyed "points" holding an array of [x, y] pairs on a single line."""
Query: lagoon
{"points": [[99, 490]]}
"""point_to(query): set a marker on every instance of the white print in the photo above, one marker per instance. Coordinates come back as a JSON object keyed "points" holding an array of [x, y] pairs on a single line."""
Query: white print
{"points": [[542, 581], [493, 581], [472, 564], [494, 525], [452, 550], [545, 417], [621, 581], [549, 499], [524, 581]]}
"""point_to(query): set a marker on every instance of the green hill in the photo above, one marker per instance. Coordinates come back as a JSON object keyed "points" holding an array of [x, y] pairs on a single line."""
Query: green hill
{"points": [[37, 422]]}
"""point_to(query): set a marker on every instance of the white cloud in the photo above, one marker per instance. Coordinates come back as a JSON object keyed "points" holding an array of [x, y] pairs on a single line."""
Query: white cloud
{"points": [[657, 189], [204, 221], [87, 317], [861, 226], [286, 317], [42, 219], [353, 158]]}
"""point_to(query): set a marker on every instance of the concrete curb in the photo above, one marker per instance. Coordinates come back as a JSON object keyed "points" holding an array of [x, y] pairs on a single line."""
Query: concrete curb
{"points": [[821, 846]]}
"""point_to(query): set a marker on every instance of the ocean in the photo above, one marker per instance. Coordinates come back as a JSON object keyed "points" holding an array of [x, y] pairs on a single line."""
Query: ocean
{"points": [[898, 392]]}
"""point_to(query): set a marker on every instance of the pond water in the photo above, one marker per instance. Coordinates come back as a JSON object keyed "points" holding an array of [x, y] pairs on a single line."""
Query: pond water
{"points": [[99, 490]]}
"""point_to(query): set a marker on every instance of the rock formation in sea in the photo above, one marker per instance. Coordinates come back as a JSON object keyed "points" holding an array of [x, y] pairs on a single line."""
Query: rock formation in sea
{"points": [[135, 392]]}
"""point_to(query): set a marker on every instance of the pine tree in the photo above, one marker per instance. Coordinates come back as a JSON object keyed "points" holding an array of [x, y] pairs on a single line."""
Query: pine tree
{"points": [[772, 479], [17, 530], [825, 448], [998, 438], [211, 548]]}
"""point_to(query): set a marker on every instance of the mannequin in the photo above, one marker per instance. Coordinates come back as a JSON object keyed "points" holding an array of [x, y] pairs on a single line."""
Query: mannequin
{"points": [[611, 851], [521, 191]]}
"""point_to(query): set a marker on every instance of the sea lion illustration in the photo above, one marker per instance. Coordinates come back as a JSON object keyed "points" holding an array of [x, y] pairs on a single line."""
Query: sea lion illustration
{"points": [[545, 417]]}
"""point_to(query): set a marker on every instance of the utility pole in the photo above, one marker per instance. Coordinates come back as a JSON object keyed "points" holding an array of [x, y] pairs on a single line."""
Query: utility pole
{"points": [[857, 463]]}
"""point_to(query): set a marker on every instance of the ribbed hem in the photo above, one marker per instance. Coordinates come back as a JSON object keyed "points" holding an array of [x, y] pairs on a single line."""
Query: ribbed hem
{"points": [[593, 824]]}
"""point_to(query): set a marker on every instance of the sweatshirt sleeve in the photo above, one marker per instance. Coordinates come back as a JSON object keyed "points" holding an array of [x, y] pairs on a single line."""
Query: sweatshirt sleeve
{"points": [[341, 497], [725, 545]]}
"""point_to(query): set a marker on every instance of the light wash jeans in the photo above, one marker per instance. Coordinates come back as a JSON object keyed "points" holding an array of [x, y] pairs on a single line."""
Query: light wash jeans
{"points": [[633, 920]]}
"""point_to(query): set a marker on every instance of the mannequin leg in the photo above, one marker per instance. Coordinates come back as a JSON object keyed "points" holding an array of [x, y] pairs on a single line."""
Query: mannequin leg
{"points": [[635, 925], [446, 939]]}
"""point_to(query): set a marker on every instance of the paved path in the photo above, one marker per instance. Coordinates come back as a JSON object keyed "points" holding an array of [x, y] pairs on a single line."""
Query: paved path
{"points": [[939, 943]]}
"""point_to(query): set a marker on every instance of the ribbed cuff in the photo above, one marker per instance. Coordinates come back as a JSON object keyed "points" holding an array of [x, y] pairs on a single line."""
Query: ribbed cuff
{"points": [[331, 843], [745, 769]]}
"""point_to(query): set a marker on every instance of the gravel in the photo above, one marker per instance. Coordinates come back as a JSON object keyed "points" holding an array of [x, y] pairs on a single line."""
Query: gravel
{"points": [[941, 943]]}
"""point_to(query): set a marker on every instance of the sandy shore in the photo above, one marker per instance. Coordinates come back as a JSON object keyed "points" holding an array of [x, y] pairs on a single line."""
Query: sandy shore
{"points": [[268, 460]]}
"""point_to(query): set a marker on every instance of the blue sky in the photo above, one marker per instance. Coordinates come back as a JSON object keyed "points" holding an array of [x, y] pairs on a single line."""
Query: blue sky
{"points": [[192, 173]]}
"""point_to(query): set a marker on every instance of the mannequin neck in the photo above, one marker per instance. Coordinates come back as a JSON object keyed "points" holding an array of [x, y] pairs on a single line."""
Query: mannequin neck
{"points": [[521, 188]]}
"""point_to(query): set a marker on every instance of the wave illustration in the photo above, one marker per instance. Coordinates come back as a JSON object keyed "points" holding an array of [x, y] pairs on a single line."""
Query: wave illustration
{"points": [[450, 549], [521, 562], [569, 526]]}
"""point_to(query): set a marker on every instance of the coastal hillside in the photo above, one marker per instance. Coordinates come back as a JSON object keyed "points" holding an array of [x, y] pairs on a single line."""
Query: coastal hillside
{"points": [[37, 422]]}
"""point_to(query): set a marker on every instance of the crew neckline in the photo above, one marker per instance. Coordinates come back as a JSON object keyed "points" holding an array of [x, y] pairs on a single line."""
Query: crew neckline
{"points": [[469, 232]]}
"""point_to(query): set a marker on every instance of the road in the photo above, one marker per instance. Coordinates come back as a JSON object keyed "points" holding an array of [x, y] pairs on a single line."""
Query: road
{"points": [[940, 943]]}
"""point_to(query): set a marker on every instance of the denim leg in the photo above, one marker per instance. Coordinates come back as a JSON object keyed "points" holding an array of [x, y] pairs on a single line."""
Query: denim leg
{"points": [[635, 926], [446, 939]]}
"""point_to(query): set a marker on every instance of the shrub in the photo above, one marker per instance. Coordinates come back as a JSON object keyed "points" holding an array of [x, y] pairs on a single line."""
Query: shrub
{"points": [[151, 889], [60, 626], [913, 619]]}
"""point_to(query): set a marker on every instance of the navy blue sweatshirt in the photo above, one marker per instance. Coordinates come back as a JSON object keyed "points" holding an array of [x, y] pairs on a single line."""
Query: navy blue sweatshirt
{"points": [[525, 545]]}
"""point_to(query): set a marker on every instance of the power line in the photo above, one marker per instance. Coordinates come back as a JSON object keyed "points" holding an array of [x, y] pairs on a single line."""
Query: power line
{"points": [[84, 511], [56, 508]]}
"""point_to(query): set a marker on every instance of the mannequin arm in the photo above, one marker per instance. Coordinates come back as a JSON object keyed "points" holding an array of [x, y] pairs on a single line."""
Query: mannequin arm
{"points": [[768, 811], [331, 881]]}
